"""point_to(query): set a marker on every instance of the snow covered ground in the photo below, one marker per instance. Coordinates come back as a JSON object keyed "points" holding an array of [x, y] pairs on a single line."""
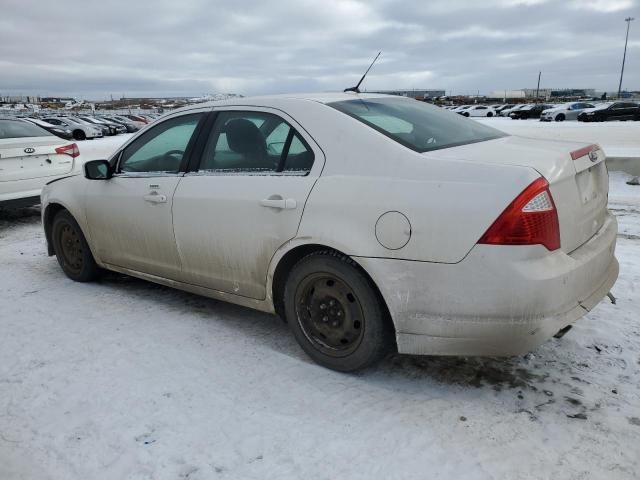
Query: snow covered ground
{"points": [[124, 379]]}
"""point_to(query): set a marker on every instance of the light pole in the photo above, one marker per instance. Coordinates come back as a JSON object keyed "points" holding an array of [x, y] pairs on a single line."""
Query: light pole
{"points": [[624, 56]]}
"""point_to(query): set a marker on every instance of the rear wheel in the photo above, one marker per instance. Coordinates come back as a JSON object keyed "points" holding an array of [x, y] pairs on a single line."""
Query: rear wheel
{"points": [[71, 249], [335, 313], [560, 117]]}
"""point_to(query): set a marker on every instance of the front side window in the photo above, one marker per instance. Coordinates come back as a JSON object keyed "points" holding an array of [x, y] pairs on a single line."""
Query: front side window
{"points": [[160, 149], [255, 142], [416, 125]]}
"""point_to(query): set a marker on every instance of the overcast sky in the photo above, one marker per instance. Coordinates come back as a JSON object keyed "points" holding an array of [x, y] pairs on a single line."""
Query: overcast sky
{"points": [[92, 49]]}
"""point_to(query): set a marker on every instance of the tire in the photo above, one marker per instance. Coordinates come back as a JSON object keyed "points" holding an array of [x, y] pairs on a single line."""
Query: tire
{"points": [[560, 117], [71, 249], [335, 313], [466, 114], [489, 114], [79, 135]]}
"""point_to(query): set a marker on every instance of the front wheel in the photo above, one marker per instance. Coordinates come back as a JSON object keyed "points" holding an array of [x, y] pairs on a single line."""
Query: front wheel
{"points": [[335, 313], [489, 114], [71, 249], [560, 117]]}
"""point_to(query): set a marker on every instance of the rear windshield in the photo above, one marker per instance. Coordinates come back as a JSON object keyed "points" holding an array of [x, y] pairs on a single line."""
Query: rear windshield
{"points": [[415, 124], [20, 129]]}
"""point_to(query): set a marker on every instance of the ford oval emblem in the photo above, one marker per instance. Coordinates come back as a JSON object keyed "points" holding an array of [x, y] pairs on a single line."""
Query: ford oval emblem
{"points": [[593, 156], [29, 150]]}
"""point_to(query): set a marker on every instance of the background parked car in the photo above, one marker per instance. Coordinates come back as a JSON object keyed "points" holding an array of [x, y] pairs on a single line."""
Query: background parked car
{"points": [[565, 111], [529, 111], [611, 111], [30, 157], [461, 109], [112, 127], [80, 131], [57, 130], [506, 111], [100, 126], [501, 108], [478, 111], [128, 124], [138, 120]]}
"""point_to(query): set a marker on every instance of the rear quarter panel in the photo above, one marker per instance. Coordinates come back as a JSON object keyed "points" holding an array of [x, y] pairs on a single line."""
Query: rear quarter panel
{"points": [[449, 203]]}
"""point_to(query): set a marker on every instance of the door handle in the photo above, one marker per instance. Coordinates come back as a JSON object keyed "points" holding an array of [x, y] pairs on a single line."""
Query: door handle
{"points": [[281, 203], [155, 198]]}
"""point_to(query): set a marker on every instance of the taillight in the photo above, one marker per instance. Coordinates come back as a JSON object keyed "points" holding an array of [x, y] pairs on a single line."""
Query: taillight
{"points": [[531, 219], [581, 152], [72, 150]]}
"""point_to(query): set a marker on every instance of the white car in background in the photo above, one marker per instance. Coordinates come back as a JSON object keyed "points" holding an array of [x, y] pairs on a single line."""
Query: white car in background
{"points": [[478, 111], [371, 223], [80, 131], [565, 111], [30, 156], [460, 108]]}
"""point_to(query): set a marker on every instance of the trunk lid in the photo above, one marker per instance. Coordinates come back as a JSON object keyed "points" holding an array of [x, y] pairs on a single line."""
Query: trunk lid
{"points": [[32, 157], [579, 186]]}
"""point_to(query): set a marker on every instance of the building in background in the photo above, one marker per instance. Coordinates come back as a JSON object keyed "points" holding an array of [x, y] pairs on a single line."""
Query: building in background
{"points": [[415, 93]]}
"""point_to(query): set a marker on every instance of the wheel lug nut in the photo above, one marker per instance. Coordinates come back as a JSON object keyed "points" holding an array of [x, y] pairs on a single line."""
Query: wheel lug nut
{"points": [[325, 319], [323, 306], [339, 314], [332, 302], [335, 324]]}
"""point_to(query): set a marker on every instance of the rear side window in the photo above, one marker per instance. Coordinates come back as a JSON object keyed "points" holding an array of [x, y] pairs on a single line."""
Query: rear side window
{"points": [[21, 129], [255, 142], [416, 125]]}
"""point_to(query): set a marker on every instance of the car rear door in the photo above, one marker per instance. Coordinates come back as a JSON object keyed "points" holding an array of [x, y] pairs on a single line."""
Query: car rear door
{"points": [[129, 215], [243, 199]]}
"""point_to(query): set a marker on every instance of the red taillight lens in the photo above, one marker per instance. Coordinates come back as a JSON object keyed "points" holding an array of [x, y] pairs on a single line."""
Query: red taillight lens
{"points": [[72, 150], [581, 152], [531, 219]]}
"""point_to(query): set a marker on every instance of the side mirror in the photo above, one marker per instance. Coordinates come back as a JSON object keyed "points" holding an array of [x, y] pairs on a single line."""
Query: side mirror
{"points": [[97, 170]]}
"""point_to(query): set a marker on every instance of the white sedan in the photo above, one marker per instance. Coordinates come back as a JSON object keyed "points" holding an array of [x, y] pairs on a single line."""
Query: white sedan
{"points": [[565, 111], [478, 111], [370, 223], [30, 156]]}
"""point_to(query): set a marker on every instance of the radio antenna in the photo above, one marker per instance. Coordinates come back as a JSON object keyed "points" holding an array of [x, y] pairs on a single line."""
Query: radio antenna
{"points": [[357, 87]]}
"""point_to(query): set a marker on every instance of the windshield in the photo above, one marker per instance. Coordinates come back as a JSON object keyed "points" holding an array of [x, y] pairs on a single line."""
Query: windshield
{"points": [[416, 125], [20, 129]]}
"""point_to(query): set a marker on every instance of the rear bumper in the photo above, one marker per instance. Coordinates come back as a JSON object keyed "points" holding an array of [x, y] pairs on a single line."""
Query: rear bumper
{"points": [[499, 300], [16, 191]]}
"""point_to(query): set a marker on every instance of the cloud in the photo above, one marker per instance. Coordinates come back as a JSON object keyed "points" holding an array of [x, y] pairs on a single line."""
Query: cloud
{"points": [[189, 47]]}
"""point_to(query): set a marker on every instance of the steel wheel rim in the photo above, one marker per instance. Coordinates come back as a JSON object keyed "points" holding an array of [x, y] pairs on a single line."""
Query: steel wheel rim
{"points": [[72, 249], [329, 314]]}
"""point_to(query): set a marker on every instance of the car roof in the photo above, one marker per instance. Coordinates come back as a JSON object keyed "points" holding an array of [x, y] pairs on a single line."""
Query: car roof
{"points": [[274, 100]]}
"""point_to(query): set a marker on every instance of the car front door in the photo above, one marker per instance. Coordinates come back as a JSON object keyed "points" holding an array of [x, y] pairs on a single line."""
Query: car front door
{"points": [[618, 111], [243, 199], [129, 215]]}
